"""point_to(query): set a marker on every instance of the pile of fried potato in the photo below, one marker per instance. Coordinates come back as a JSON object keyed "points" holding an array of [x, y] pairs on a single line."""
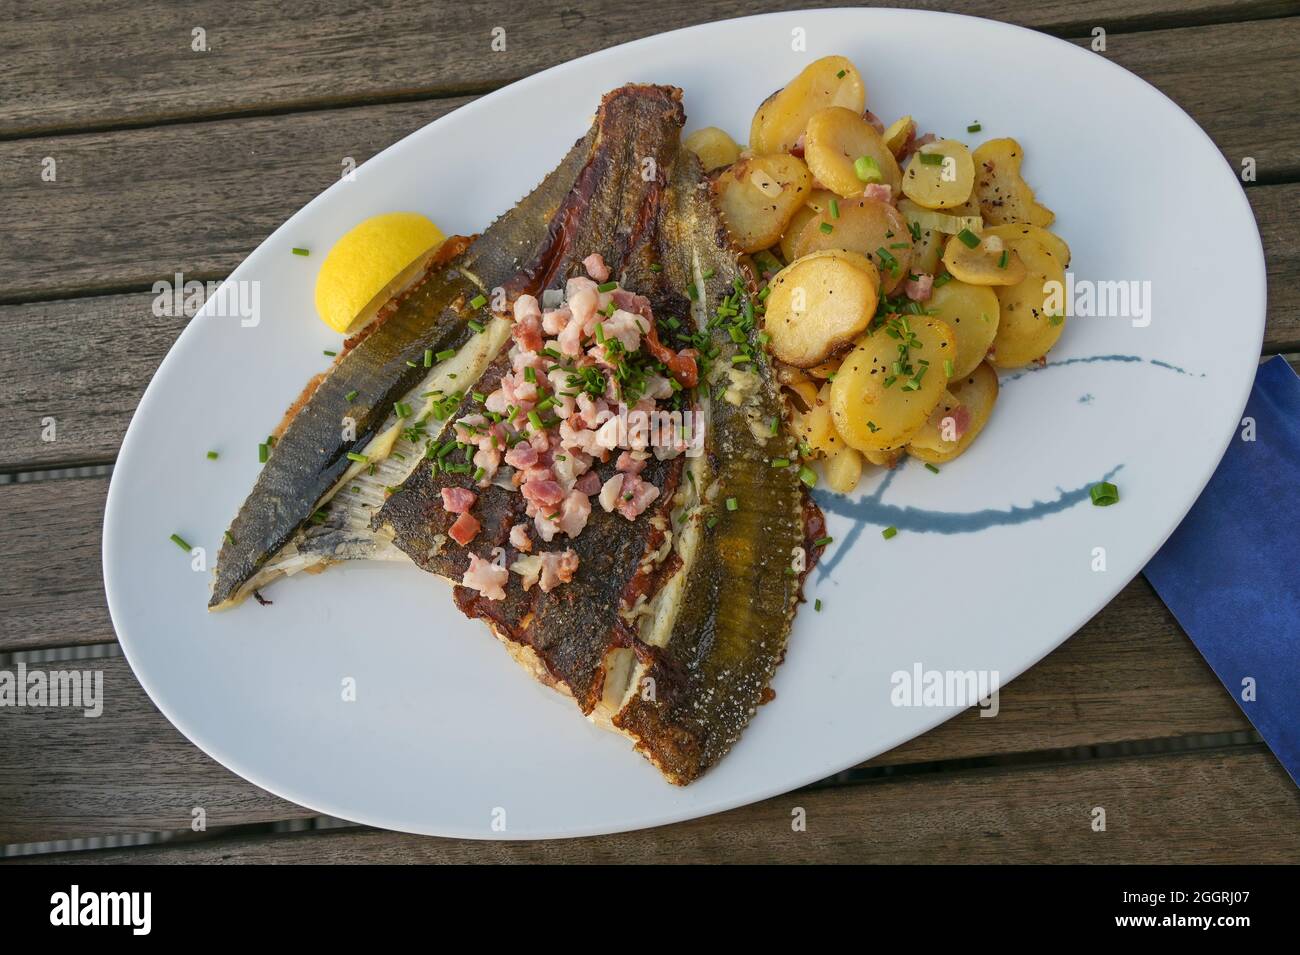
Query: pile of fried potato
{"points": [[900, 271]]}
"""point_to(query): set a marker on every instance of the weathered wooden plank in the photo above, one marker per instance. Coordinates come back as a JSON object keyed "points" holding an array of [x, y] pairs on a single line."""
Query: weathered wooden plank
{"points": [[63, 774], [74, 65], [1128, 675], [1229, 806], [132, 207], [86, 361], [213, 191]]}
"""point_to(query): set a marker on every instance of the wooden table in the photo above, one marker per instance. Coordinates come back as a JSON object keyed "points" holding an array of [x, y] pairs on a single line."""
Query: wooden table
{"points": [[173, 160]]}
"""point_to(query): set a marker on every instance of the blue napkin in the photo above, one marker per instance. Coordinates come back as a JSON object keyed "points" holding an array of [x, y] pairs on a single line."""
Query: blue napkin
{"points": [[1231, 571]]}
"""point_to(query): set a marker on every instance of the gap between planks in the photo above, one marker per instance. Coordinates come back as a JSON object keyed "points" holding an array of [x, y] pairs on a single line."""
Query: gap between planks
{"points": [[1215, 806], [265, 61]]}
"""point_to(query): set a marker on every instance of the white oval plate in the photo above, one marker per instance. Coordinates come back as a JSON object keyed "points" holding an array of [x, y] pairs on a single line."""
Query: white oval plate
{"points": [[992, 565]]}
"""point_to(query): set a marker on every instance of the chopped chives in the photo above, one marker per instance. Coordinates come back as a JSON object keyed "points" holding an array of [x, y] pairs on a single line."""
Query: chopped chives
{"points": [[428, 358], [229, 540], [445, 354], [411, 364], [351, 395], [606, 287], [263, 452], [867, 169], [780, 462], [840, 75], [552, 353], [835, 208], [940, 280], [931, 159], [212, 455], [968, 238], [733, 504], [931, 468], [478, 301], [1055, 319], [826, 228], [709, 273], [535, 420], [889, 532], [711, 521], [530, 374], [693, 292], [181, 542], [823, 541], [900, 245], [478, 396], [478, 475], [947, 367], [974, 128], [1003, 259], [477, 326], [656, 267], [328, 353], [773, 425], [360, 458], [808, 476], [298, 251], [817, 604], [1104, 494], [872, 427]]}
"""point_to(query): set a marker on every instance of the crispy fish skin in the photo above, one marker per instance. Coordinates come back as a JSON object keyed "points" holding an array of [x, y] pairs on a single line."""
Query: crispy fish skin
{"points": [[311, 454], [692, 696]]}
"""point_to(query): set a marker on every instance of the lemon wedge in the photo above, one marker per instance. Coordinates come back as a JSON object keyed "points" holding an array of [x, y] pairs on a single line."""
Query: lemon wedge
{"points": [[370, 264]]}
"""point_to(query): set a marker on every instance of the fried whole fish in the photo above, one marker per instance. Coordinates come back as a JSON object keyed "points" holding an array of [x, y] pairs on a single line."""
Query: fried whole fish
{"points": [[672, 628]]}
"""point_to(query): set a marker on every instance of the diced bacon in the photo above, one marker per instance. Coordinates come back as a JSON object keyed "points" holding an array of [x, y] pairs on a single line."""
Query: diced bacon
{"points": [[519, 360], [880, 191], [631, 302], [545, 524], [627, 327], [486, 577], [541, 471], [574, 511], [569, 467], [497, 402], [631, 462], [610, 492], [914, 143], [596, 267], [519, 538], [557, 568], [489, 459], [465, 529], [579, 439], [528, 333], [540, 441], [458, 500], [635, 496], [570, 340], [543, 493], [797, 148], [468, 428], [588, 484], [526, 307], [657, 387], [576, 285], [554, 321], [874, 120], [523, 455], [919, 288]]}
